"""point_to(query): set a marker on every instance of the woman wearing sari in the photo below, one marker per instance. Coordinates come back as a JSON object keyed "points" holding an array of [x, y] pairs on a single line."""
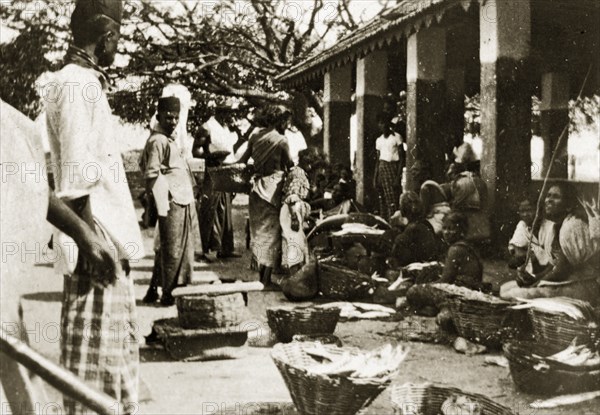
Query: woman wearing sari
{"points": [[573, 256], [269, 149]]}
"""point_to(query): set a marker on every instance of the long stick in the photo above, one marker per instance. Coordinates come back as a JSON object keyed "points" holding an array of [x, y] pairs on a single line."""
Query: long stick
{"points": [[549, 169], [63, 380]]}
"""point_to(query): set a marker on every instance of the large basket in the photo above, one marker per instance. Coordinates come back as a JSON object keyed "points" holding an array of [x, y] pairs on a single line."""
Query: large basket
{"points": [[339, 282], [479, 320], [524, 360], [320, 394], [428, 399], [558, 330], [285, 322], [232, 178]]}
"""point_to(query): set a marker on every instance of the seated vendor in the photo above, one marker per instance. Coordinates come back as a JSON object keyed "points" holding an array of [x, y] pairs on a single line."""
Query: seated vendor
{"points": [[462, 267], [418, 242], [574, 258]]}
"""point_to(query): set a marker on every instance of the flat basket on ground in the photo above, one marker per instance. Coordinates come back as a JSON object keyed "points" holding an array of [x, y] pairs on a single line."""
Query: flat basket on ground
{"points": [[339, 282], [429, 399], [525, 360], [479, 320], [285, 322], [321, 394], [231, 178], [557, 331]]}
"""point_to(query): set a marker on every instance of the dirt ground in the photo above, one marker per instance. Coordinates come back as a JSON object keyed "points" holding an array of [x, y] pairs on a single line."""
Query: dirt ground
{"points": [[251, 384]]}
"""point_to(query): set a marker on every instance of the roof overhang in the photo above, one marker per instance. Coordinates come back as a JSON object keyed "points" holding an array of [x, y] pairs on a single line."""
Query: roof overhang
{"points": [[403, 20]]}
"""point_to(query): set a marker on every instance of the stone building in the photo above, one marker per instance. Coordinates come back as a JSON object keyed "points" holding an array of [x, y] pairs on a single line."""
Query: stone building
{"points": [[438, 51]]}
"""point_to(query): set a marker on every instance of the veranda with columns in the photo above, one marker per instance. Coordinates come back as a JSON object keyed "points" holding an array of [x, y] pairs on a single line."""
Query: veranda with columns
{"points": [[438, 51]]}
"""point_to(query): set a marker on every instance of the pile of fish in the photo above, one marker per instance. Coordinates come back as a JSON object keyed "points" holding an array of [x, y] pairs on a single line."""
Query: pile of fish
{"points": [[383, 362], [358, 228], [467, 293], [577, 357], [361, 311], [575, 309], [460, 404]]}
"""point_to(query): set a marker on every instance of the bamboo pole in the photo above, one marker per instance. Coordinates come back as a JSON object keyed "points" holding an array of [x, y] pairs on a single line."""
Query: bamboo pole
{"points": [[61, 379]]}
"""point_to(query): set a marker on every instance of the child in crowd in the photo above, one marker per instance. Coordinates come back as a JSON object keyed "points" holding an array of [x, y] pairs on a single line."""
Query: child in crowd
{"points": [[294, 212], [463, 266], [517, 246]]}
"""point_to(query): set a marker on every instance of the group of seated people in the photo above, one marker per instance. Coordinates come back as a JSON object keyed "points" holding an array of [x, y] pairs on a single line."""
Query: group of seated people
{"points": [[557, 254]]}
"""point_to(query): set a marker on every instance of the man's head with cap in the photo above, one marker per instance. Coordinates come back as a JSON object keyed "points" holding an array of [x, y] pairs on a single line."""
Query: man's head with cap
{"points": [[168, 113], [96, 25]]}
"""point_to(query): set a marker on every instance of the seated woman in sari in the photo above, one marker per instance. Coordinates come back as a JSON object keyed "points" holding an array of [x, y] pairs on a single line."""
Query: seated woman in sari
{"points": [[271, 154], [573, 256], [418, 242]]}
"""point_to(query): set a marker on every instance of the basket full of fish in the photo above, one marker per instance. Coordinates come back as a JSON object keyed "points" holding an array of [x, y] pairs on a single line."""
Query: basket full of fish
{"points": [[326, 379], [557, 321], [432, 399], [477, 316], [536, 368]]}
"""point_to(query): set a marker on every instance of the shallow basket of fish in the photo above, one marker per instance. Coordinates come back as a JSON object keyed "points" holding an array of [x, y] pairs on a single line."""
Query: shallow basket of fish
{"points": [[479, 317], [534, 373], [200, 344], [339, 282], [431, 399], [559, 330], [285, 322], [323, 394], [231, 178]]}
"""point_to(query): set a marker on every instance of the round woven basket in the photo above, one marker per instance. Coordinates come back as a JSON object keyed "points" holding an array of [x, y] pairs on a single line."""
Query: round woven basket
{"points": [[320, 394], [231, 178], [557, 331], [428, 399], [479, 320], [285, 322], [524, 360], [341, 283]]}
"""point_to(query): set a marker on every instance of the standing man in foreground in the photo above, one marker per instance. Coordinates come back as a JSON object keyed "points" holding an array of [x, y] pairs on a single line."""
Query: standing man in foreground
{"points": [[98, 321], [168, 178]]}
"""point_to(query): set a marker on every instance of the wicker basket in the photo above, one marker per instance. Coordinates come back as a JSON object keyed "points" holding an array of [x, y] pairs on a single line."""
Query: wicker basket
{"points": [[232, 178], [320, 394], [209, 344], [558, 330], [479, 320], [285, 322], [524, 359], [341, 283], [428, 399]]}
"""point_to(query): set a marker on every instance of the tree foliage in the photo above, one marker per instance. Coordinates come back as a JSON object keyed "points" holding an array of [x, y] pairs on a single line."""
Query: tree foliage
{"points": [[224, 52]]}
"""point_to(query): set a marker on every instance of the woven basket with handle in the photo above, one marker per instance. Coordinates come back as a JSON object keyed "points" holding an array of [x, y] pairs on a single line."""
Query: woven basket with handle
{"points": [[315, 394], [285, 322], [429, 399]]}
